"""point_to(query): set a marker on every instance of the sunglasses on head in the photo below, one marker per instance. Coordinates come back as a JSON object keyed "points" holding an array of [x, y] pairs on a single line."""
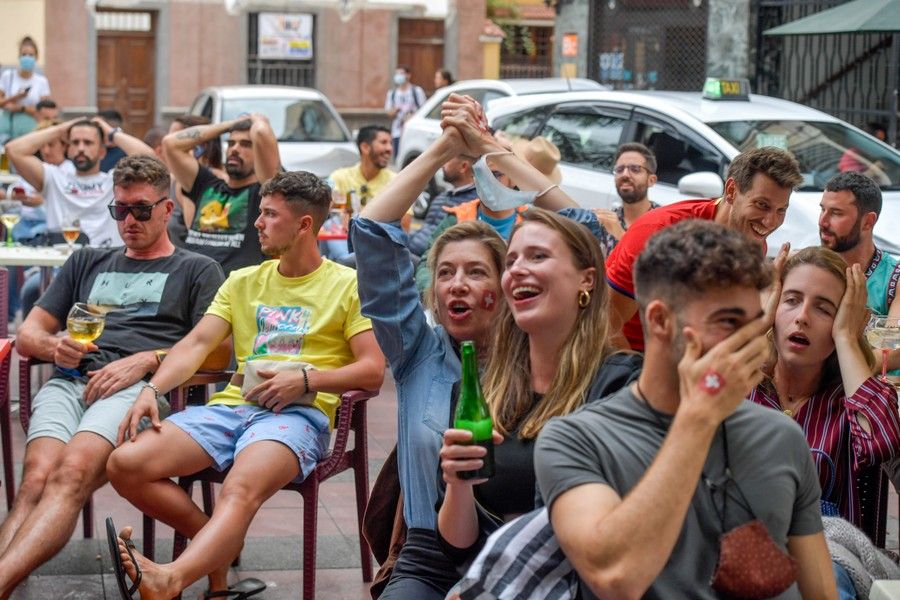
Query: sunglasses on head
{"points": [[141, 212]]}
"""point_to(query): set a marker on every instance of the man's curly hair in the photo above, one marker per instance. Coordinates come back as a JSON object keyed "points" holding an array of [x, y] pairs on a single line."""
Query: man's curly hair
{"points": [[304, 192], [142, 169]]}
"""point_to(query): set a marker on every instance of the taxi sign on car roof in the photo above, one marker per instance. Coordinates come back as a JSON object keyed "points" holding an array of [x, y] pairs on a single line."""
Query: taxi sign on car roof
{"points": [[726, 89]]}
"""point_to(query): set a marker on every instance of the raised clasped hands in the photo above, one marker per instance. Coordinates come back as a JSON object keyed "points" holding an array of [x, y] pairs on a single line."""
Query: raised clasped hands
{"points": [[466, 116], [712, 385]]}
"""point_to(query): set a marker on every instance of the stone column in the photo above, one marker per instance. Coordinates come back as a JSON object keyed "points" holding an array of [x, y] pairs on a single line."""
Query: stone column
{"points": [[573, 18], [728, 38]]}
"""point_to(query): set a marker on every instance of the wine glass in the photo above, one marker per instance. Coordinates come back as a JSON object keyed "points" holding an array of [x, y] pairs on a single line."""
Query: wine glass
{"points": [[71, 229], [10, 214], [85, 322], [883, 333]]}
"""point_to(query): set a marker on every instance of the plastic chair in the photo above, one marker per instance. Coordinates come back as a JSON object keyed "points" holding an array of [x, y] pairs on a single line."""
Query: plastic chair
{"points": [[5, 408], [351, 415]]}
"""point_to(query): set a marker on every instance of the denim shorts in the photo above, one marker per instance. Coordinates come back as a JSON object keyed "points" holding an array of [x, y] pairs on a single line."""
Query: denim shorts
{"points": [[223, 431]]}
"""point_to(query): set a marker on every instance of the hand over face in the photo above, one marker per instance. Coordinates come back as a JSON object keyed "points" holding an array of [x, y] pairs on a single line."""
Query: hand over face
{"points": [[852, 314]]}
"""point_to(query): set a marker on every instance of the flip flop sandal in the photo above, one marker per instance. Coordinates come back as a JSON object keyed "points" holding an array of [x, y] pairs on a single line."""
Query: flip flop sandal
{"points": [[240, 590], [112, 538]]}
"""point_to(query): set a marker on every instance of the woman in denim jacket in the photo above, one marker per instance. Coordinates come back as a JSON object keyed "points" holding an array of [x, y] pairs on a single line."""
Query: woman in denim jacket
{"points": [[466, 263]]}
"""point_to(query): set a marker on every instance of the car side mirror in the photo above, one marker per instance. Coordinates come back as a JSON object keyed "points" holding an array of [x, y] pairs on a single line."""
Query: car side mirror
{"points": [[704, 184]]}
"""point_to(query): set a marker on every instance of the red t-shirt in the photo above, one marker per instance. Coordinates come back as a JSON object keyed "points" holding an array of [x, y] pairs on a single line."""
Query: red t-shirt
{"points": [[620, 263]]}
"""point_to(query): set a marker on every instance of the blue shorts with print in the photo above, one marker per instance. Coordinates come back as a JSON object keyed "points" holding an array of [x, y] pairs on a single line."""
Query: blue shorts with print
{"points": [[223, 431]]}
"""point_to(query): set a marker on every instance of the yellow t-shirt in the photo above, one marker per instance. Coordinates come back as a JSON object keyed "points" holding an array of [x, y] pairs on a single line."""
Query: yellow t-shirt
{"points": [[351, 179], [309, 319]]}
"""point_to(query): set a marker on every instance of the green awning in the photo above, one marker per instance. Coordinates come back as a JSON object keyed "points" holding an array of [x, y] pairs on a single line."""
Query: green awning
{"points": [[852, 17]]}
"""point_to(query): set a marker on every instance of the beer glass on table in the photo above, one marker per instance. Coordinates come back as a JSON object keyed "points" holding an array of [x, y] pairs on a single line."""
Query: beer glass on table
{"points": [[10, 214], [71, 229]]}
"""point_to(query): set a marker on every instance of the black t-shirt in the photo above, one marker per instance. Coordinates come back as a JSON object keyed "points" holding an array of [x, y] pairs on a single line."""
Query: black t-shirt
{"points": [[223, 221], [157, 301]]}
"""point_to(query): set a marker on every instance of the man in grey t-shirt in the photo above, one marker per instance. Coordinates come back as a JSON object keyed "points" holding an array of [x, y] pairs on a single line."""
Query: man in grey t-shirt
{"points": [[636, 484]]}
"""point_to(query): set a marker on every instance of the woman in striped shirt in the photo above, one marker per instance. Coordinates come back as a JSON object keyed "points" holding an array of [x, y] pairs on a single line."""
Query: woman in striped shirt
{"points": [[822, 378]]}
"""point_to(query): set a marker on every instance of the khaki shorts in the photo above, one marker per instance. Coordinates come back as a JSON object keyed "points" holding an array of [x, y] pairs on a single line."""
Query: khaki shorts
{"points": [[59, 412]]}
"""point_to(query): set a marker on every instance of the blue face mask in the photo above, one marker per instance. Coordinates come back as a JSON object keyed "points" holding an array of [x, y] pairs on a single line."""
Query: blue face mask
{"points": [[27, 63], [493, 194]]}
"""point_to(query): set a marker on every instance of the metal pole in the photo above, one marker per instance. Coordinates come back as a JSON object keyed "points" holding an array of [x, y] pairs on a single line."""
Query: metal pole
{"points": [[892, 86]]}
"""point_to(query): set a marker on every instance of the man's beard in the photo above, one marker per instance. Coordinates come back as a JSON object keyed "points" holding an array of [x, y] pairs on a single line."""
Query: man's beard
{"points": [[636, 194], [238, 171], [847, 242], [375, 159], [450, 178], [83, 163], [275, 252]]}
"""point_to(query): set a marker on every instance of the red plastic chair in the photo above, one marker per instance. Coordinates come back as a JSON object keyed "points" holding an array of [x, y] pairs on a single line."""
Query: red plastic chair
{"points": [[351, 416]]}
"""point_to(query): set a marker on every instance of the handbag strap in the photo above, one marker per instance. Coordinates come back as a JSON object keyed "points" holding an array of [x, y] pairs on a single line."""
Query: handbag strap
{"points": [[832, 471], [723, 483]]}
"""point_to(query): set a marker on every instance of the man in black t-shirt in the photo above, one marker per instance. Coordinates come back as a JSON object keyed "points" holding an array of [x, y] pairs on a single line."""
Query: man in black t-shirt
{"points": [[155, 293], [226, 210]]}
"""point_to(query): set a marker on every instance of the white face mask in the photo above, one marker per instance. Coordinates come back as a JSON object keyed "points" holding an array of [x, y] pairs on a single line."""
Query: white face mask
{"points": [[399, 78], [493, 194]]}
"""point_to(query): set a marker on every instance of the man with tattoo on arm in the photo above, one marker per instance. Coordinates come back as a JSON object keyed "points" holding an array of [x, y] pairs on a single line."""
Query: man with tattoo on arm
{"points": [[225, 208]]}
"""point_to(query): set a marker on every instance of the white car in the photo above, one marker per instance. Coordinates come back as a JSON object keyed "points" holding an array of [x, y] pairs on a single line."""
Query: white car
{"points": [[424, 126], [311, 134], [694, 139]]}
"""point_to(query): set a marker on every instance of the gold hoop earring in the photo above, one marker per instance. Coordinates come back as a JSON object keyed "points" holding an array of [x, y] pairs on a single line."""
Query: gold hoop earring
{"points": [[584, 298]]}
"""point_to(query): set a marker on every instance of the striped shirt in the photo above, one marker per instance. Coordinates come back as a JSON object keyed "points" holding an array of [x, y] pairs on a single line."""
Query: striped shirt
{"points": [[829, 421]]}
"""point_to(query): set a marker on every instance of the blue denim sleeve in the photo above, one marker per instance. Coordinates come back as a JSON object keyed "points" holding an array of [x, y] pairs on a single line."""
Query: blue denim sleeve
{"points": [[587, 218], [387, 293]]}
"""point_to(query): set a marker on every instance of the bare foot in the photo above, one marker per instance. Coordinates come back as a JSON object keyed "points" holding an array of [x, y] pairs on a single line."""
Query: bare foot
{"points": [[156, 582]]}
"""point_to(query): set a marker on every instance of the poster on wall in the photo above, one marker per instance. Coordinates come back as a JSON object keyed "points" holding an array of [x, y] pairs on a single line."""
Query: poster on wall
{"points": [[286, 36]]}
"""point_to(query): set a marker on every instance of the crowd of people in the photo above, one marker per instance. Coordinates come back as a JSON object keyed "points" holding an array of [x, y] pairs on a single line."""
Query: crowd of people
{"points": [[674, 414]]}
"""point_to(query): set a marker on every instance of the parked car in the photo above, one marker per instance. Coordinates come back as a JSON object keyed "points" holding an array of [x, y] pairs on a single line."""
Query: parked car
{"points": [[311, 134], [695, 137], [423, 127]]}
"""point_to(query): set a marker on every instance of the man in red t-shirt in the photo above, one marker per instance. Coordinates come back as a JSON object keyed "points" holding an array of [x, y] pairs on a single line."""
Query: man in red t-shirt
{"points": [[757, 191]]}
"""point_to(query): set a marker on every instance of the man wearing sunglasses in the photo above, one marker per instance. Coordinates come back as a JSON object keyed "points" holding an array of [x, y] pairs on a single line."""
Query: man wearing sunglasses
{"points": [[153, 294], [635, 173], [225, 209]]}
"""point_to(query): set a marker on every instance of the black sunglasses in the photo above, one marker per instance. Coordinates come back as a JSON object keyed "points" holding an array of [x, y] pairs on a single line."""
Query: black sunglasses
{"points": [[141, 212]]}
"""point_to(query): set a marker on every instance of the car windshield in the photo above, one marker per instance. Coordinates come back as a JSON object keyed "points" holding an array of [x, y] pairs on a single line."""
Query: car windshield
{"points": [[292, 120], [823, 149]]}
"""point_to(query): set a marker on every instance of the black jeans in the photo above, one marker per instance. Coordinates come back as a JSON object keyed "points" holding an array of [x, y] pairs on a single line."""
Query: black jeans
{"points": [[422, 571]]}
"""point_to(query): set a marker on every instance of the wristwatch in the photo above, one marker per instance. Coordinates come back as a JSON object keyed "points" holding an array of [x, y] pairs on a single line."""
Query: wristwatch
{"points": [[112, 133], [156, 391]]}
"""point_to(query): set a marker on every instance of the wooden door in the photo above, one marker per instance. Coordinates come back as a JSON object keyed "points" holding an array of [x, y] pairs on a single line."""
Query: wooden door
{"points": [[421, 47], [126, 72]]}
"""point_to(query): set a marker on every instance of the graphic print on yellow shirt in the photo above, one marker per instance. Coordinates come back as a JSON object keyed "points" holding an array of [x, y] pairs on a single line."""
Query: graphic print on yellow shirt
{"points": [[281, 330]]}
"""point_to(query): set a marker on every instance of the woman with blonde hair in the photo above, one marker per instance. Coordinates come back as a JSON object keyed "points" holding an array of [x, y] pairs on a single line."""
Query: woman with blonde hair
{"points": [[822, 378], [551, 353]]}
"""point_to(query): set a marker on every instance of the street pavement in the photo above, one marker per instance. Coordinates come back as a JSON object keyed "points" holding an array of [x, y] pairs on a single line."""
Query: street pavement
{"points": [[272, 551]]}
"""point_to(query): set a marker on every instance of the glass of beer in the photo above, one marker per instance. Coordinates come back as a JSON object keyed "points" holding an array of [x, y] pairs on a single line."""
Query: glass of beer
{"points": [[85, 323], [71, 229], [10, 214]]}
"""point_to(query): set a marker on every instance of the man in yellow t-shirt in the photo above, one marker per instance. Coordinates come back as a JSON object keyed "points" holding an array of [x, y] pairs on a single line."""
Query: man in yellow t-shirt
{"points": [[362, 181], [299, 308]]}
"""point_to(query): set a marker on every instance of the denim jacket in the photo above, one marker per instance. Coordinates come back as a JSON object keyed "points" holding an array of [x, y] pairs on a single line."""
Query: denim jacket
{"points": [[423, 360]]}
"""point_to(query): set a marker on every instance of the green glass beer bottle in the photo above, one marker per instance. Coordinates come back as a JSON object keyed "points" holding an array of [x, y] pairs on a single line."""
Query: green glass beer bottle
{"points": [[472, 413]]}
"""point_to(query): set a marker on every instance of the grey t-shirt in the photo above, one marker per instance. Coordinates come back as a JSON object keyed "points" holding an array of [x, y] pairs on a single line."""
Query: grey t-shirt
{"points": [[613, 442], [158, 301]]}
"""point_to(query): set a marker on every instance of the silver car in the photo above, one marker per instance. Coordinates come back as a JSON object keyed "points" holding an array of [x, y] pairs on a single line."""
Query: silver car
{"points": [[311, 134]]}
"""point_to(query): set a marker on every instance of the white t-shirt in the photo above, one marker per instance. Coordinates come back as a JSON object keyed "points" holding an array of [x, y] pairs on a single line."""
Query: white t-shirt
{"points": [[35, 212], [11, 84], [68, 195]]}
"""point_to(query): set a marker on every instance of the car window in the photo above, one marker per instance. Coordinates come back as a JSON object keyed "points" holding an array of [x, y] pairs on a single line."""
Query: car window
{"points": [[823, 149], [492, 95], [676, 154], [207, 110], [292, 120], [480, 94], [585, 139], [520, 125]]}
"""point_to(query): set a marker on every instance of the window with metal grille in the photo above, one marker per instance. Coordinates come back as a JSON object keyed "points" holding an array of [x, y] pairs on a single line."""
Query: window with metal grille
{"points": [[527, 51], [300, 73], [648, 44]]}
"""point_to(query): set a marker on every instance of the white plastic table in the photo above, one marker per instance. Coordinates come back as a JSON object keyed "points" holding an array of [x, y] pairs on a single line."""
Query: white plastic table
{"points": [[45, 257]]}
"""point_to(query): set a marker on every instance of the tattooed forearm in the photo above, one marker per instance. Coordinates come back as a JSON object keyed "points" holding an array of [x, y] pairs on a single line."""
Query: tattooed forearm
{"points": [[191, 133]]}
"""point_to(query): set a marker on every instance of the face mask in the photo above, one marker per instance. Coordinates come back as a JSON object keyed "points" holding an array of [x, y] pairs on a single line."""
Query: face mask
{"points": [[27, 63], [399, 78], [493, 194]]}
